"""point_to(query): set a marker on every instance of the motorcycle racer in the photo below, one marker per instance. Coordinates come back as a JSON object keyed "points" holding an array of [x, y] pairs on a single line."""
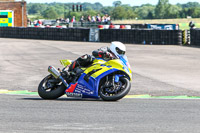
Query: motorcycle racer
{"points": [[105, 53], [105, 74]]}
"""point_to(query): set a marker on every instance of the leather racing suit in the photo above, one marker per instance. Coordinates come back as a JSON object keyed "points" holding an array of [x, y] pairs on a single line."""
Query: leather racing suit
{"points": [[87, 60]]}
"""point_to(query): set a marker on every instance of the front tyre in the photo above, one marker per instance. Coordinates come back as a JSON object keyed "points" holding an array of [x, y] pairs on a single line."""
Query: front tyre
{"points": [[116, 92], [51, 88]]}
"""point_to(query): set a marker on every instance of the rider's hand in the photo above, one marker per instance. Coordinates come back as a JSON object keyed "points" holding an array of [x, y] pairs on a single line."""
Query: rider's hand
{"points": [[109, 55]]}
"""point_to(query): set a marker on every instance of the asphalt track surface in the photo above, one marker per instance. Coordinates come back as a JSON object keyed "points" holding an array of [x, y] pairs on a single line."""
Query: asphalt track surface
{"points": [[22, 114], [158, 71]]}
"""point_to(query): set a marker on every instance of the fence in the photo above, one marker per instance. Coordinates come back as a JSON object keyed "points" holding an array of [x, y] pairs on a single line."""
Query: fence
{"points": [[133, 26], [96, 24], [89, 24]]}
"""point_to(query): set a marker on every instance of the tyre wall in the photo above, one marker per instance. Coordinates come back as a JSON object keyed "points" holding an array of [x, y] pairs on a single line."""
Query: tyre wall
{"points": [[195, 37], [135, 36], [132, 36], [68, 34]]}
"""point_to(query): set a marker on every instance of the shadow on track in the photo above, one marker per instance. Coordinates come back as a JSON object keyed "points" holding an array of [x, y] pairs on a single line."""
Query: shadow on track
{"points": [[66, 99]]}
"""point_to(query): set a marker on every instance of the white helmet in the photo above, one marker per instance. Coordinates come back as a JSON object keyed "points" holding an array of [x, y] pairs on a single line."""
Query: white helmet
{"points": [[118, 48]]}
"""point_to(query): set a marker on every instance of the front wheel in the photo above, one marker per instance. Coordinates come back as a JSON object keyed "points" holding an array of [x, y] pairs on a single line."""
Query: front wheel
{"points": [[51, 88], [117, 91]]}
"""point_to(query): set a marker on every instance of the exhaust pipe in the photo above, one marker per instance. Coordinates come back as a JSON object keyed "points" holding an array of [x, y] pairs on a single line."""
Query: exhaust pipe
{"points": [[56, 74]]}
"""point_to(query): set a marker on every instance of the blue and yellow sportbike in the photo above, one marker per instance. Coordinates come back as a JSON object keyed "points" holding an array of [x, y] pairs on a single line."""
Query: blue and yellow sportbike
{"points": [[106, 80]]}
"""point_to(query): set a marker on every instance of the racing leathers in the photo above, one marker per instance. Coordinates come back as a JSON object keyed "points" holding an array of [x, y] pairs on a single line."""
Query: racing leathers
{"points": [[87, 60]]}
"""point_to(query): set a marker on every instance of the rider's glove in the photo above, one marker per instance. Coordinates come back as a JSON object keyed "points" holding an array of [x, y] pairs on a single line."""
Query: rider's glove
{"points": [[108, 55]]}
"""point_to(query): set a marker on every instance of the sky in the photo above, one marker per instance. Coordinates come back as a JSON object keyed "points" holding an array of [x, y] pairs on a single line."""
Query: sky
{"points": [[109, 2]]}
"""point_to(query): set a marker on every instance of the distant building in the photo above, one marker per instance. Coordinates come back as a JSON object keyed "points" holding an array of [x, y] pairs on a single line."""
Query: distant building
{"points": [[13, 13]]}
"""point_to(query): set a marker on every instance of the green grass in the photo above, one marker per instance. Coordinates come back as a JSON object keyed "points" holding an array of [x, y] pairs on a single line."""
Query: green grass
{"points": [[184, 26], [34, 17], [157, 21]]}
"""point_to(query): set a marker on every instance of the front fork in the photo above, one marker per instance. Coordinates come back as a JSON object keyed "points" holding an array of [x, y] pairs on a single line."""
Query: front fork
{"points": [[115, 79]]}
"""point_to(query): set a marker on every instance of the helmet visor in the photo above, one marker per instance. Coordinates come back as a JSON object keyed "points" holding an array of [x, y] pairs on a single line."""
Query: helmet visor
{"points": [[120, 52]]}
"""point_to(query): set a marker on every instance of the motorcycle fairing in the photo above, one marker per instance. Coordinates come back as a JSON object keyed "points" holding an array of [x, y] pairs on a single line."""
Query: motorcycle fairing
{"points": [[120, 64], [71, 87], [65, 62], [89, 89], [88, 83]]}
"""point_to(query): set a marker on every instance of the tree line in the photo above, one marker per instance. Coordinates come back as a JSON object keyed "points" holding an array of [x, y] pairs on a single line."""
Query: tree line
{"points": [[118, 11]]}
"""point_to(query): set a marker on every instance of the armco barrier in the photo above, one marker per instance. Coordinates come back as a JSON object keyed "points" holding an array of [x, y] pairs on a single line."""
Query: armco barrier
{"points": [[136, 36], [195, 37], [68, 34]]}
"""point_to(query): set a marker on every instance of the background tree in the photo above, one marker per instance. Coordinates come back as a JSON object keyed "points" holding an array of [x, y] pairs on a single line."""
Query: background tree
{"points": [[117, 3], [189, 5], [145, 11], [173, 11], [35, 8], [97, 6], [194, 12], [160, 10], [150, 15], [87, 6], [50, 13], [130, 13], [107, 10], [119, 13]]}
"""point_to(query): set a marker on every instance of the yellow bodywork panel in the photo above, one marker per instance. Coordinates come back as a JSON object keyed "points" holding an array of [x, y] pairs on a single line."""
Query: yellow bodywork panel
{"points": [[102, 66], [105, 66], [65, 62]]}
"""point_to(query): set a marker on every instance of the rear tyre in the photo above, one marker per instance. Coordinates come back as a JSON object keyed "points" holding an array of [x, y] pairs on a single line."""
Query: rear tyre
{"points": [[50, 88], [120, 90]]}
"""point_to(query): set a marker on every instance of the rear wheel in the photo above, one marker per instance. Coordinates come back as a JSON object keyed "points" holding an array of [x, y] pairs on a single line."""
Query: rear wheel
{"points": [[115, 92], [51, 88]]}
